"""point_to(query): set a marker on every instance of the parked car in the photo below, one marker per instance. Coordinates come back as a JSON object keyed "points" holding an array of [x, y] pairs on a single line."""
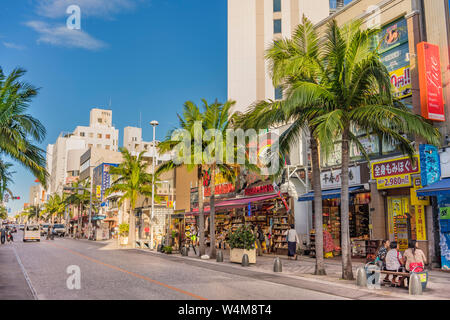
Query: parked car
{"points": [[21, 227], [59, 230], [44, 229]]}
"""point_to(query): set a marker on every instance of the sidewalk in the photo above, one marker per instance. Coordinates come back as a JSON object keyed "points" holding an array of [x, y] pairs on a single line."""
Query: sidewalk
{"points": [[438, 286]]}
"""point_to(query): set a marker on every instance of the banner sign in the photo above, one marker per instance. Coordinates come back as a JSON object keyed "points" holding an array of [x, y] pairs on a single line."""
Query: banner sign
{"points": [[430, 79], [395, 173], [416, 201], [430, 167], [332, 179], [258, 190], [444, 213], [421, 231]]}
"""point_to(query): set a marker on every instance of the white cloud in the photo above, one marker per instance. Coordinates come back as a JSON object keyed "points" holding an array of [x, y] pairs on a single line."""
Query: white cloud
{"points": [[60, 35], [98, 8], [12, 45]]}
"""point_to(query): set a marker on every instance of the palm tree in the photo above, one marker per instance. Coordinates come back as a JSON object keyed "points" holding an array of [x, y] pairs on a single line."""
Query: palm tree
{"points": [[3, 213], [33, 213], [133, 181], [5, 178], [292, 63], [18, 129], [79, 198], [353, 88], [190, 116], [54, 207]]}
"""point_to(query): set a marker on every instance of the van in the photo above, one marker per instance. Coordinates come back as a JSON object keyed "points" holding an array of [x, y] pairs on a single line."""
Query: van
{"points": [[32, 232]]}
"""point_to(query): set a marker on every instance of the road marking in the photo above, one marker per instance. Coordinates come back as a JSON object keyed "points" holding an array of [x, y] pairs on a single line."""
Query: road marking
{"points": [[30, 285], [130, 273]]}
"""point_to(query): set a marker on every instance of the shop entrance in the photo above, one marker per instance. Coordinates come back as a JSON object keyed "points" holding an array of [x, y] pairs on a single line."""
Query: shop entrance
{"points": [[401, 226]]}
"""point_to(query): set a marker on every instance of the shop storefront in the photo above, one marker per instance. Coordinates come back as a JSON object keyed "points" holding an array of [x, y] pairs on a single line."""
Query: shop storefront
{"points": [[331, 212]]}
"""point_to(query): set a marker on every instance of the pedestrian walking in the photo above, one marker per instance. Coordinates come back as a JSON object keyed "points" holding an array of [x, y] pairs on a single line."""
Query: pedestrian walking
{"points": [[259, 240], [292, 240], [147, 232]]}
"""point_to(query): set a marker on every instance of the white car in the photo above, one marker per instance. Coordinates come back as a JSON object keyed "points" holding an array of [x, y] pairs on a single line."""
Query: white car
{"points": [[32, 232]]}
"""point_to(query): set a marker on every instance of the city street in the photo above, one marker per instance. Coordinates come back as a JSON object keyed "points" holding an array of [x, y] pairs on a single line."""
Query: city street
{"points": [[134, 274]]}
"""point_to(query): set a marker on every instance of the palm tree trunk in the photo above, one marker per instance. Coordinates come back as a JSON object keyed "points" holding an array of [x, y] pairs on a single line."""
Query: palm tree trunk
{"points": [[201, 223], [79, 222], [347, 273], [212, 224], [132, 228], [315, 162]]}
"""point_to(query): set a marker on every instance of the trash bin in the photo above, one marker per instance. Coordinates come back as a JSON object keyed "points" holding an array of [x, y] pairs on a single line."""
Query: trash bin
{"points": [[423, 276]]}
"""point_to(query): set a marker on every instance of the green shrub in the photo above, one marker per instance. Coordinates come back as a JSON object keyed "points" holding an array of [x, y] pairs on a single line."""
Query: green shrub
{"points": [[124, 228], [167, 249], [242, 238]]}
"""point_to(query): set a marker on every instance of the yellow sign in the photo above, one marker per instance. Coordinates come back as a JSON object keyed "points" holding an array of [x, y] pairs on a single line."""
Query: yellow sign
{"points": [[99, 192], [401, 81], [421, 231], [415, 201], [394, 182]]}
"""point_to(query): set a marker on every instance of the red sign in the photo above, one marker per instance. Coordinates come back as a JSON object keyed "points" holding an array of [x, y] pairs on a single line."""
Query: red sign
{"points": [[220, 189], [257, 190], [430, 78], [395, 167]]}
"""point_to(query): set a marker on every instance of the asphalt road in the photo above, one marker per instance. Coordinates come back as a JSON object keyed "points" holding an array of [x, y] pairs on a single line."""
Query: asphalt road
{"points": [[46, 271]]}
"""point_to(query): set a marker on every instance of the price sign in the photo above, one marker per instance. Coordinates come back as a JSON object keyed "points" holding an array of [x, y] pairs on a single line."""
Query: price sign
{"points": [[394, 182]]}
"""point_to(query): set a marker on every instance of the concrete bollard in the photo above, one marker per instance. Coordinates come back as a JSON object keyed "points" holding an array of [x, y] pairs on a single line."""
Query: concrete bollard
{"points": [[277, 266], [361, 277], [219, 257], [245, 261], [415, 287], [184, 251]]}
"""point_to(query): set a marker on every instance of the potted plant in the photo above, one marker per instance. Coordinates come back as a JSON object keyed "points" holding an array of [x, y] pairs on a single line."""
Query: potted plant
{"points": [[124, 228], [167, 249], [241, 242]]}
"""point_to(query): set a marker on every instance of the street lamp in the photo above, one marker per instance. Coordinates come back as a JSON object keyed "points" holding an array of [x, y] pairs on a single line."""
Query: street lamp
{"points": [[153, 123]]}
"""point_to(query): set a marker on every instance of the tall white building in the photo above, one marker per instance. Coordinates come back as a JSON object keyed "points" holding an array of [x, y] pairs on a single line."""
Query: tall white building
{"points": [[63, 157], [132, 140], [252, 27]]}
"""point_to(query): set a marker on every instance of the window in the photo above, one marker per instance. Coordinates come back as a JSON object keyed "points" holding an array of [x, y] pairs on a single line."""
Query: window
{"points": [[276, 5], [82, 134], [90, 145], [91, 135], [99, 135], [277, 26], [278, 93], [99, 120], [107, 147], [99, 146], [108, 136]]}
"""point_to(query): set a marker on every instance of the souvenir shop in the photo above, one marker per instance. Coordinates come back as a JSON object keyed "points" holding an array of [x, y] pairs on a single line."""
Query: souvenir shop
{"points": [[359, 217], [269, 211]]}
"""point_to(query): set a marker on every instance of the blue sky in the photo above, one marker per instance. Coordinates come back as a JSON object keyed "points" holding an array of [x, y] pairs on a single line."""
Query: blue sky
{"points": [[147, 56]]}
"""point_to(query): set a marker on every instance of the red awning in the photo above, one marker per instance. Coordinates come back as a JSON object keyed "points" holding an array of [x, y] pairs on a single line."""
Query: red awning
{"points": [[236, 203]]}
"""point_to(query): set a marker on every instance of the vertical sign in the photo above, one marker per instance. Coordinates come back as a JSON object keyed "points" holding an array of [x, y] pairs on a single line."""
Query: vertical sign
{"points": [[430, 78], [420, 223]]}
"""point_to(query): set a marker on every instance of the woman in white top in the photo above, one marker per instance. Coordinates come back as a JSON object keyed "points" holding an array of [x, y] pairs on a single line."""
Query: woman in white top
{"points": [[292, 239], [394, 261]]}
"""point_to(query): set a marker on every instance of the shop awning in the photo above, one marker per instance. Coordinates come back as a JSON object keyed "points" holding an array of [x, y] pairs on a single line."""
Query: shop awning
{"points": [[328, 194], [441, 187]]}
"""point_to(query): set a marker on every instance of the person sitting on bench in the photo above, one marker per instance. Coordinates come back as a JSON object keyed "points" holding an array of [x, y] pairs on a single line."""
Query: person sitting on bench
{"points": [[394, 262], [414, 257]]}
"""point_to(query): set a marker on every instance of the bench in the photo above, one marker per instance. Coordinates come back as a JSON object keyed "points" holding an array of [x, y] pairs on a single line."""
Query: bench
{"points": [[395, 273]]}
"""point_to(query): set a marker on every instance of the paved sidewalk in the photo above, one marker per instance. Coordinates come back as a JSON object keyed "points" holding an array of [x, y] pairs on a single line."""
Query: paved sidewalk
{"points": [[438, 286]]}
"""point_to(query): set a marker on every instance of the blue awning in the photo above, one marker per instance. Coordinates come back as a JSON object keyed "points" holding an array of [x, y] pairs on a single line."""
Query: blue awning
{"points": [[328, 194], [441, 187]]}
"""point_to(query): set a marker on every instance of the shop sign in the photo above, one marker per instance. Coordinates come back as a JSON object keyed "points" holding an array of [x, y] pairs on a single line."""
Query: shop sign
{"points": [[401, 80], [395, 167], [416, 201], [332, 179], [399, 181], [429, 164], [393, 35], [98, 192], [220, 189], [420, 223], [430, 79], [257, 190], [396, 58], [444, 213]]}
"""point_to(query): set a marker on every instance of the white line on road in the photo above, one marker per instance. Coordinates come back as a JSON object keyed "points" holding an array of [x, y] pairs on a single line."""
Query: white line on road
{"points": [[33, 292]]}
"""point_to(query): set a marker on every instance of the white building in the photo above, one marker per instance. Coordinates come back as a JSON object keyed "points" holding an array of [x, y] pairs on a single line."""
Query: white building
{"points": [[132, 140], [100, 133], [252, 27]]}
